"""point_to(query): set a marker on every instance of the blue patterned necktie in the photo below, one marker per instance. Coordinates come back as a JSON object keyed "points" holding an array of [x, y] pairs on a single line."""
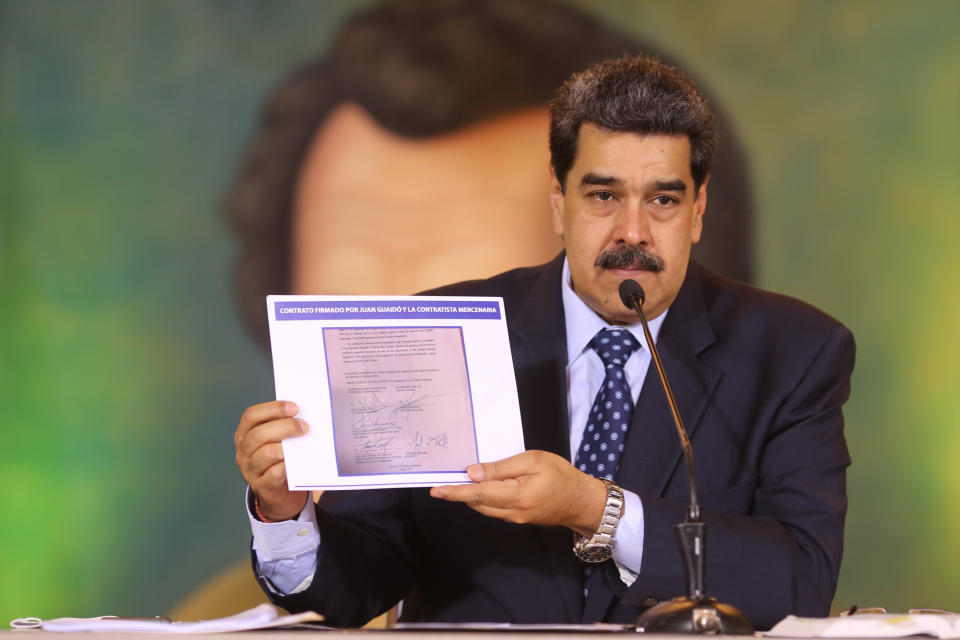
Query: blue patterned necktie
{"points": [[610, 415]]}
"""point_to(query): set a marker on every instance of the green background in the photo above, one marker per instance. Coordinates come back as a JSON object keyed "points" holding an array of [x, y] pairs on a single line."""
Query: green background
{"points": [[123, 367]]}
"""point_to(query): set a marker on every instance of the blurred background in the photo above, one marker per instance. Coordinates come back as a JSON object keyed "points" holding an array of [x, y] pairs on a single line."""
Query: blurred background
{"points": [[124, 363]]}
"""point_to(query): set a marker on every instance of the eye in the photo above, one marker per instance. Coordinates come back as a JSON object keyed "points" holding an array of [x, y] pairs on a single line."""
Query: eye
{"points": [[602, 196], [664, 201]]}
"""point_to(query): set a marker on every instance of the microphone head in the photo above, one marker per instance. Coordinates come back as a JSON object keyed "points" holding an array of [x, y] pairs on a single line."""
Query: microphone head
{"points": [[631, 293]]}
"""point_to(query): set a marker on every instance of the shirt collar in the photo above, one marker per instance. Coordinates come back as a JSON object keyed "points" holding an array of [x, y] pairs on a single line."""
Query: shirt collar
{"points": [[582, 322]]}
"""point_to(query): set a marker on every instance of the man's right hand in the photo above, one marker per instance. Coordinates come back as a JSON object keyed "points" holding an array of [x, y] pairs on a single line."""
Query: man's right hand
{"points": [[260, 457]]}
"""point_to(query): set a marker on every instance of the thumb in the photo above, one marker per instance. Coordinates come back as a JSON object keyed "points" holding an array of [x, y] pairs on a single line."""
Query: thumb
{"points": [[476, 472]]}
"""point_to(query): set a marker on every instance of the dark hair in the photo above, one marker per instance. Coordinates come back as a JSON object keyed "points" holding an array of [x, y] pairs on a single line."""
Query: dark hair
{"points": [[633, 94], [423, 68]]}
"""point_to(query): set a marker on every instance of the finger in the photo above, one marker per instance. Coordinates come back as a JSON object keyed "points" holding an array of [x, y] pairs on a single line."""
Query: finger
{"points": [[264, 412], [504, 494], [478, 501], [513, 467], [254, 466], [264, 458], [274, 479], [268, 432]]}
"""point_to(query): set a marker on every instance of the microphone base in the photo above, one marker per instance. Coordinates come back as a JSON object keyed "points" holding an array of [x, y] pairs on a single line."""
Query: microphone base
{"points": [[695, 615]]}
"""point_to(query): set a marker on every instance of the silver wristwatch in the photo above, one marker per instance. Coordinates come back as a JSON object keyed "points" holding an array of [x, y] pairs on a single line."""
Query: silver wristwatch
{"points": [[599, 546]]}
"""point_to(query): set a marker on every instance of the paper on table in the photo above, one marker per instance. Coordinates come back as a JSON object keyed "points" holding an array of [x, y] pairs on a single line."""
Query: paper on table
{"points": [[869, 625], [607, 627], [263, 616], [398, 391]]}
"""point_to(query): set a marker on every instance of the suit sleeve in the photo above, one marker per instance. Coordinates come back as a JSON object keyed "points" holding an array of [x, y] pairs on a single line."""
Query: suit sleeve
{"points": [[774, 544], [364, 564]]}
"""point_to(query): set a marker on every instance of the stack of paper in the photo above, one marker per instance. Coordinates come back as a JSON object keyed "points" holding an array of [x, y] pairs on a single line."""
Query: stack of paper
{"points": [[869, 625], [263, 616]]}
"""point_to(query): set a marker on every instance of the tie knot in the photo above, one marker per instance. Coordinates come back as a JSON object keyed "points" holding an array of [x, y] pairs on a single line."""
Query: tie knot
{"points": [[614, 346]]}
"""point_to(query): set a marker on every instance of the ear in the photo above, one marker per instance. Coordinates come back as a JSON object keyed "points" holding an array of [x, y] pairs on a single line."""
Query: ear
{"points": [[699, 208], [556, 203]]}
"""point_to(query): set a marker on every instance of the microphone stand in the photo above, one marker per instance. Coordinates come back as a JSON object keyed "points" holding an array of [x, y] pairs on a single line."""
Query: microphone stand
{"points": [[696, 612]]}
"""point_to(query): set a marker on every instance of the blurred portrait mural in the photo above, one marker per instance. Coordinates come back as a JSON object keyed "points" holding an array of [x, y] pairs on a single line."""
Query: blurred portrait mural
{"points": [[413, 154]]}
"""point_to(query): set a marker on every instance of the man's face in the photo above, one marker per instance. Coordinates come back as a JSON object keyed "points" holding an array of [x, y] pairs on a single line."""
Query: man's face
{"points": [[380, 214], [626, 196]]}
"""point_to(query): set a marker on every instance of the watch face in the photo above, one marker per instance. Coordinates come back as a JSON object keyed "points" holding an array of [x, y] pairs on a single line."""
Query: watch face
{"points": [[594, 552]]}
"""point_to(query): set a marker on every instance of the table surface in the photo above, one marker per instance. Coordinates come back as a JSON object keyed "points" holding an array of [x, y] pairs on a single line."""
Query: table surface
{"points": [[377, 634]]}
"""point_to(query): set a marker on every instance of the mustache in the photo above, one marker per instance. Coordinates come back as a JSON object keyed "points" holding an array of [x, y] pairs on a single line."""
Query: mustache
{"points": [[630, 257]]}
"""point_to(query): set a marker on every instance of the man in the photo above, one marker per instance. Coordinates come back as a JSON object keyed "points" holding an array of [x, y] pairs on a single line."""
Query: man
{"points": [[416, 140], [760, 380]]}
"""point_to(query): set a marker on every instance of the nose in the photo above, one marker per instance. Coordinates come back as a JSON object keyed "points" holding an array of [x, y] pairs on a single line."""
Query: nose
{"points": [[632, 225]]}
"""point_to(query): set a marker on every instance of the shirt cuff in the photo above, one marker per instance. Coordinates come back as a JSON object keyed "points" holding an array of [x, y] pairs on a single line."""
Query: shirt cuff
{"points": [[280, 540], [628, 548]]}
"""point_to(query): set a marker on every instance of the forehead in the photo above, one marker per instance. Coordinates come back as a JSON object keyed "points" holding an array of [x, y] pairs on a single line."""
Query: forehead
{"points": [[358, 176], [630, 157], [375, 212], [353, 155]]}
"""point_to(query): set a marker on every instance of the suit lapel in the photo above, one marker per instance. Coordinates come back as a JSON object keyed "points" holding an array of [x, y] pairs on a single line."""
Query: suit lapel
{"points": [[653, 451], [538, 341]]}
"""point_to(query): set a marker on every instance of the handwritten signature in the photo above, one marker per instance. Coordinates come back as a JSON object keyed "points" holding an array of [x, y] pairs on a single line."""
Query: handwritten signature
{"points": [[440, 441], [420, 443], [370, 411], [376, 443]]}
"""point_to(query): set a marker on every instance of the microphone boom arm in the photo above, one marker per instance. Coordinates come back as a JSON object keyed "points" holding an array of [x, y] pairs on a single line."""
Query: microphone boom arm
{"points": [[695, 613], [693, 512]]}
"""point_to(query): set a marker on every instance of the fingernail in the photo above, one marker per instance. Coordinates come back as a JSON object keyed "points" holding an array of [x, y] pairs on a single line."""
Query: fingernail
{"points": [[436, 492], [304, 427], [475, 471], [291, 408]]}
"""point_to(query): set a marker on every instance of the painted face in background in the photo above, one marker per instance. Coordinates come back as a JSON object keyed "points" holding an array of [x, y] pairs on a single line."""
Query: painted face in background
{"points": [[628, 192], [376, 213]]}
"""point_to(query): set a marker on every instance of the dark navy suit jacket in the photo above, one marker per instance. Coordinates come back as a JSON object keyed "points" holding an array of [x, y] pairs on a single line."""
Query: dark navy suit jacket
{"points": [[759, 379]]}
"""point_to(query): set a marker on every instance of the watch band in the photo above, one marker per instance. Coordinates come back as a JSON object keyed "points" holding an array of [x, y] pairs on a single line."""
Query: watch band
{"points": [[599, 547]]}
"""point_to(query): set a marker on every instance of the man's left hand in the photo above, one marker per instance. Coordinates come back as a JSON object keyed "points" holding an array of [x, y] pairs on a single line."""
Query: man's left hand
{"points": [[533, 487]]}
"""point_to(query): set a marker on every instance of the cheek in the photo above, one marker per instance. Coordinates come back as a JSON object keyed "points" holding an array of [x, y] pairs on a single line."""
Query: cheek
{"points": [[590, 234], [674, 239]]}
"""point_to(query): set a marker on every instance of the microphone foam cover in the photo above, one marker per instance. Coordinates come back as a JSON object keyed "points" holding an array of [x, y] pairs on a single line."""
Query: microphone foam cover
{"points": [[630, 290]]}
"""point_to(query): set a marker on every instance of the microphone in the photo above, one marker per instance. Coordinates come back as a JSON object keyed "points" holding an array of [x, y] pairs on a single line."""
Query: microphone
{"points": [[632, 295], [694, 613]]}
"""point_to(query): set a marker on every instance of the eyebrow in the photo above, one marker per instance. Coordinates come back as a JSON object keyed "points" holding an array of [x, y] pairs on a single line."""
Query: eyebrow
{"points": [[599, 180], [670, 185], [595, 179]]}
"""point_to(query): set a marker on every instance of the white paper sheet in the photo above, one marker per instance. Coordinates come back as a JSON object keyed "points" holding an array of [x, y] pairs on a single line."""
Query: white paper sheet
{"points": [[869, 625], [398, 391], [263, 616]]}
